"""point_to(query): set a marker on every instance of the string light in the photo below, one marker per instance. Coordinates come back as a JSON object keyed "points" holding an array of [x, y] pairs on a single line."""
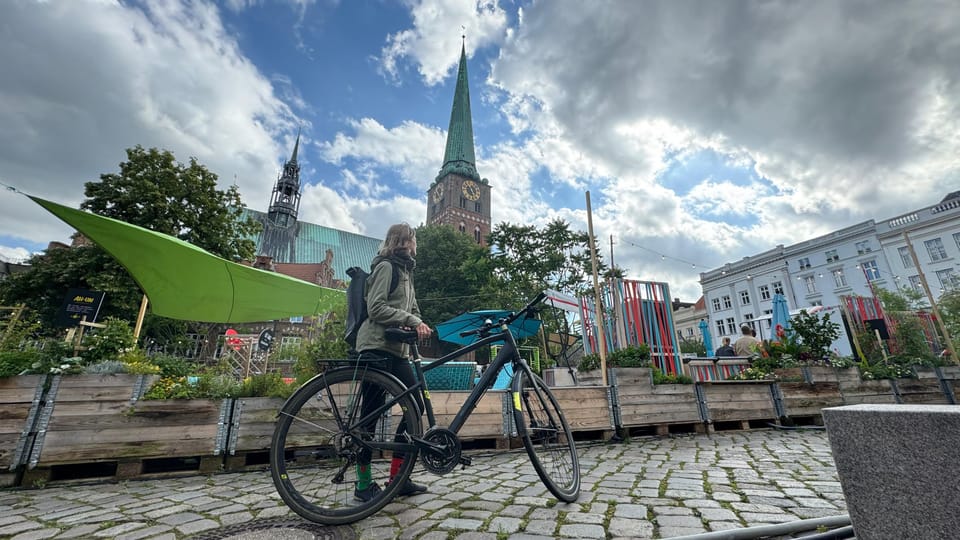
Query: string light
{"points": [[664, 256]]}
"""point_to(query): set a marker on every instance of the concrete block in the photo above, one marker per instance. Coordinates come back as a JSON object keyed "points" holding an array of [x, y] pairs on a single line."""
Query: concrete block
{"points": [[899, 467]]}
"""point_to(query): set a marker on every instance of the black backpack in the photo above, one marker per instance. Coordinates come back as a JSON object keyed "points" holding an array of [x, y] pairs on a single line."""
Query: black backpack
{"points": [[357, 303]]}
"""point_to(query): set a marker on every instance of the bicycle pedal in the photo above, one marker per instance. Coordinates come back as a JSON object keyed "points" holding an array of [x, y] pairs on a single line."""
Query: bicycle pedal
{"points": [[465, 461]]}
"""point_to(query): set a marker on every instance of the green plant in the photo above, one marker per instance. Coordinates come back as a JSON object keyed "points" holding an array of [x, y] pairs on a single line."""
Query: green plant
{"points": [[265, 385], [630, 356], [17, 362], [105, 367], [108, 343], [815, 332], [173, 366], [660, 378]]}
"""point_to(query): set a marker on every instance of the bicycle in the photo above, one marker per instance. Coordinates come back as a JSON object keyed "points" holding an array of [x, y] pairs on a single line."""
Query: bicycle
{"points": [[321, 434]]}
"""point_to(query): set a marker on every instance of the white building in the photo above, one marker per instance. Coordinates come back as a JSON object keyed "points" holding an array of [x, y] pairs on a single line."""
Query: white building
{"points": [[817, 272], [686, 320]]}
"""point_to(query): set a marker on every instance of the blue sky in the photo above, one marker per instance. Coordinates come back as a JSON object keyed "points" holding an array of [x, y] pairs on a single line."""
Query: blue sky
{"points": [[704, 131]]}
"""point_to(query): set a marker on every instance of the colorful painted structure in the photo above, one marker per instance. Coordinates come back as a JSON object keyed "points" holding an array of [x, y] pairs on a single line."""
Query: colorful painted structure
{"points": [[634, 312]]}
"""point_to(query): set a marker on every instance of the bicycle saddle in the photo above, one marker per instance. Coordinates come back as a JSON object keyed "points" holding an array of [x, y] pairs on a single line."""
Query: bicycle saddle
{"points": [[401, 335]]}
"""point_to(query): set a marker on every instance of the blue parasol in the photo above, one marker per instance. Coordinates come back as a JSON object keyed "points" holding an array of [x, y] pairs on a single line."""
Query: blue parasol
{"points": [[780, 316], [450, 330], [707, 341]]}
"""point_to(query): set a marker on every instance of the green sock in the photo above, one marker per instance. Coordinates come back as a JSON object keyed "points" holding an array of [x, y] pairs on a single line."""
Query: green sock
{"points": [[363, 476]]}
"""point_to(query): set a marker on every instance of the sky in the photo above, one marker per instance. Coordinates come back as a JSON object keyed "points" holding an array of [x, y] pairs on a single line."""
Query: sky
{"points": [[704, 132]]}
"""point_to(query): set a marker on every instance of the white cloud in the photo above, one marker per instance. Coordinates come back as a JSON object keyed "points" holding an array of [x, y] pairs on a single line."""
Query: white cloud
{"points": [[114, 76], [14, 254], [435, 33]]}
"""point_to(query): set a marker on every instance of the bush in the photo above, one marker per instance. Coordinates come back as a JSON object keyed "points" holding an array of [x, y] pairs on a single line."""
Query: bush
{"points": [[108, 343], [173, 366], [660, 378], [265, 385], [14, 363], [630, 356], [205, 386]]}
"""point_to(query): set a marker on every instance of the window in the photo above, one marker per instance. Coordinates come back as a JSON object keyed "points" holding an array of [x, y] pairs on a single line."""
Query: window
{"points": [[690, 332], [777, 287], [744, 298], [768, 312], [816, 303], [727, 304], [905, 257], [935, 249], [948, 280], [289, 345], [764, 292], [863, 247], [716, 304], [477, 207], [915, 283], [476, 234], [298, 319], [811, 283], [832, 255], [804, 263], [748, 319], [720, 331], [731, 326], [462, 227], [839, 278], [870, 270], [463, 202], [956, 239]]}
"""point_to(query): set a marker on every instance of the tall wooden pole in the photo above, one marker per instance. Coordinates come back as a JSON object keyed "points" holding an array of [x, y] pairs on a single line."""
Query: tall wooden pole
{"points": [[596, 292], [933, 304], [140, 315]]}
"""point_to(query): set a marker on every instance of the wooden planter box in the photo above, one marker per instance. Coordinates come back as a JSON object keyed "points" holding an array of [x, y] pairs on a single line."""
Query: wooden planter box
{"points": [[19, 406], [855, 390], [642, 403], [738, 401], [95, 418], [492, 419], [252, 421], [587, 408], [924, 389]]}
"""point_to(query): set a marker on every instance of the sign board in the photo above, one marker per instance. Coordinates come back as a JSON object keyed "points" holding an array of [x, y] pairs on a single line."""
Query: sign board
{"points": [[79, 303], [265, 339]]}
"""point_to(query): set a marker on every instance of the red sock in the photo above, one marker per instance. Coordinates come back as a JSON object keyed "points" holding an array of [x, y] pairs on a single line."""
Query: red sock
{"points": [[395, 466]]}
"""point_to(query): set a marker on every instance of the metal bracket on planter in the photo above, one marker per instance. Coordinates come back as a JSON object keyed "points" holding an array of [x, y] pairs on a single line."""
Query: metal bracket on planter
{"points": [[778, 407], [506, 400], [228, 422], [613, 399], [43, 422], [138, 388], [702, 403], [28, 425], [897, 398], [945, 386]]}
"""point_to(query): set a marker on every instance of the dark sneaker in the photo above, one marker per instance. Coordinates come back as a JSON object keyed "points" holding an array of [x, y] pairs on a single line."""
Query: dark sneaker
{"points": [[411, 488], [366, 495]]}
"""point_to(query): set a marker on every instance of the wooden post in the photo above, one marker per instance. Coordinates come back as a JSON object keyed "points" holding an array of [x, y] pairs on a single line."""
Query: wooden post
{"points": [[596, 292], [78, 337], [880, 343], [140, 315], [933, 304]]}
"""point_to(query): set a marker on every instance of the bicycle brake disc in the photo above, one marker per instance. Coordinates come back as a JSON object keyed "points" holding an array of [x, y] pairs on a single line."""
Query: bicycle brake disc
{"points": [[445, 459]]}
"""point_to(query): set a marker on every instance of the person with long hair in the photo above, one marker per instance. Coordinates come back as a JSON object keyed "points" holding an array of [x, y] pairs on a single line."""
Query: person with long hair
{"points": [[388, 308]]}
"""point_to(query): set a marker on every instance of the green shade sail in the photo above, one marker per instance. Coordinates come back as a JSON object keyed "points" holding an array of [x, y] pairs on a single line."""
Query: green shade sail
{"points": [[185, 282]]}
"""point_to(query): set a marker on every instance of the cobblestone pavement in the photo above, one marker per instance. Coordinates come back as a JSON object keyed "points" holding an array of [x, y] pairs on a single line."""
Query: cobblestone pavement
{"points": [[649, 487]]}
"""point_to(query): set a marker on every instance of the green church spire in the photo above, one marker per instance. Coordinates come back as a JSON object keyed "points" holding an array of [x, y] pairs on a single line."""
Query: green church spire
{"points": [[458, 156]]}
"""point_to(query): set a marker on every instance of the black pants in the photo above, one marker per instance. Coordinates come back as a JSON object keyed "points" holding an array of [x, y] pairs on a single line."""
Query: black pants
{"points": [[372, 396]]}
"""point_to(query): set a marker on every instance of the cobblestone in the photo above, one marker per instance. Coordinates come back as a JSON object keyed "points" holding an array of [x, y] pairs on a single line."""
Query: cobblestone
{"points": [[715, 482]]}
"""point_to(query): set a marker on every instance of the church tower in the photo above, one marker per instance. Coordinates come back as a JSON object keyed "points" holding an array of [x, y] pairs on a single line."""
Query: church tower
{"points": [[458, 196], [285, 200]]}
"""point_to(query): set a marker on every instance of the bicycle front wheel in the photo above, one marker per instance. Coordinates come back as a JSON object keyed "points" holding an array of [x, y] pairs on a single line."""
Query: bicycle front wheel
{"points": [[546, 436], [321, 458]]}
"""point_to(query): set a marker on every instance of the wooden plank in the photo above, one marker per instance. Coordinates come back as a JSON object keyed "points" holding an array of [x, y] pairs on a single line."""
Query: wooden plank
{"points": [[925, 390]]}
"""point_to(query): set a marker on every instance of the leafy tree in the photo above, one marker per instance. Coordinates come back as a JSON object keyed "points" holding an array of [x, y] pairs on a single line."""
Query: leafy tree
{"points": [[949, 307], [151, 190], [528, 259], [453, 274], [815, 332], [693, 346], [155, 191]]}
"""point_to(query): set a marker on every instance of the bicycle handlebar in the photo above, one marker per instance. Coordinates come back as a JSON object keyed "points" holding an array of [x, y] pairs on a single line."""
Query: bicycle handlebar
{"points": [[486, 327]]}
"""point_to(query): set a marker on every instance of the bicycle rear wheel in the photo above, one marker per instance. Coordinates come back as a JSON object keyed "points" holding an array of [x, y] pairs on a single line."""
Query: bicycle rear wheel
{"points": [[317, 445], [546, 436]]}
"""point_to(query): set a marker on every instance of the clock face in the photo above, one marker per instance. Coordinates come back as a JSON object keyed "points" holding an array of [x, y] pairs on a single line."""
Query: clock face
{"points": [[438, 193], [471, 190]]}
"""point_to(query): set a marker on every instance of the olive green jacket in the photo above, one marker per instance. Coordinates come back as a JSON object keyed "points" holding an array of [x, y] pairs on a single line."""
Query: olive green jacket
{"points": [[386, 309]]}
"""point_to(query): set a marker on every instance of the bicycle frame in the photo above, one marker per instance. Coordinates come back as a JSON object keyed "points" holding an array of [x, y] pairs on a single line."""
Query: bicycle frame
{"points": [[508, 354]]}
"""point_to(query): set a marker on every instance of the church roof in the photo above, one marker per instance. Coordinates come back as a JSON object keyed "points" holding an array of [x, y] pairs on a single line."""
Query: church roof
{"points": [[458, 157], [307, 243]]}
